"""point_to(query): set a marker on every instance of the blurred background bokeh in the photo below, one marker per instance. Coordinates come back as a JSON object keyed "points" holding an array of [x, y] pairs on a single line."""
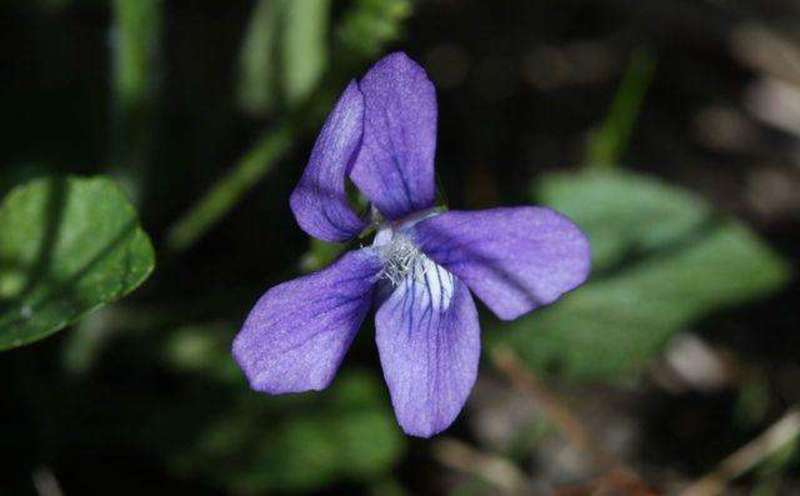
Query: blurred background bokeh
{"points": [[669, 130]]}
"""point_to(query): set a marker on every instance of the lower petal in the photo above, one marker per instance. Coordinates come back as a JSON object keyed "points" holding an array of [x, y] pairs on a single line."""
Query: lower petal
{"points": [[429, 342], [298, 333]]}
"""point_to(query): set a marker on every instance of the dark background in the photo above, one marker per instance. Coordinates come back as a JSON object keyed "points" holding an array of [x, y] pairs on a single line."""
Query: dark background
{"points": [[143, 395]]}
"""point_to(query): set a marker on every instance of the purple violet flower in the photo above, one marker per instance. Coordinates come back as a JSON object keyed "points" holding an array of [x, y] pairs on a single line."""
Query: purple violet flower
{"points": [[419, 269]]}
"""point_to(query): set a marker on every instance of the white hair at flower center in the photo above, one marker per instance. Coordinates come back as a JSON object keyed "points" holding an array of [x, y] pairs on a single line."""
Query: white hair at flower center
{"points": [[405, 264]]}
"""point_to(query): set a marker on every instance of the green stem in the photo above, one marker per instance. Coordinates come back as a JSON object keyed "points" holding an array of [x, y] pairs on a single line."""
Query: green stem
{"points": [[254, 165], [363, 33], [135, 50], [608, 144]]}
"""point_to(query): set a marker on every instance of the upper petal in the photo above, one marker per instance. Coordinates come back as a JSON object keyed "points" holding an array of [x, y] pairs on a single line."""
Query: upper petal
{"points": [[319, 201], [514, 259], [429, 342], [298, 333], [394, 167]]}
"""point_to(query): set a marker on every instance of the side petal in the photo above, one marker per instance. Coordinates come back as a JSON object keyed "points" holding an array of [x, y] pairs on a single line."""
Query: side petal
{"points": [[513, 259], [394, 167], [429, 343], [298, 333], [319, 201]]}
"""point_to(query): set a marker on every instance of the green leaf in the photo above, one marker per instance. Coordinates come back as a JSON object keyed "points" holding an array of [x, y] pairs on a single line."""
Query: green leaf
{"points": [[686, 265], [622, 212], [68, 246], [17, 174]]}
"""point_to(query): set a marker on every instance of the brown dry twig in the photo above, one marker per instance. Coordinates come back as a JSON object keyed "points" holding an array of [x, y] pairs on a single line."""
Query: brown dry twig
{"points": [[616, 477], [525, 381], [522, 379], [614, 483], [781, 433], [498, 471]]}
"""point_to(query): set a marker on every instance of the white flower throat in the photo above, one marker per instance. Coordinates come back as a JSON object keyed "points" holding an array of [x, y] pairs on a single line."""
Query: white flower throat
{"points": [[406, 265]]}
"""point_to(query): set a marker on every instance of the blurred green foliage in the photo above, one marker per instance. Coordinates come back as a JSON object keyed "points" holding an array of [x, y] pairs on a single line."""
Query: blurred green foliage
{"points": [[346, 432], [67, 246], [681, 263], [260, 67], [284, 53], [320, 254], [136, 45], [351, 434], [376, 23], [774, 469]]}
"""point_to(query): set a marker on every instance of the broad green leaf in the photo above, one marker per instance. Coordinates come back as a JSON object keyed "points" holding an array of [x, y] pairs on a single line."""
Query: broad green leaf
{"points": [[686, 266], [68, 246], [623, 213], [17, 174]]}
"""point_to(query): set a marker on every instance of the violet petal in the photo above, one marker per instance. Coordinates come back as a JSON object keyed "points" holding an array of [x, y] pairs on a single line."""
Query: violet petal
{"points": [[394, 167], [513, 259], [298, 333], [319, 201], [429, 342]]}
